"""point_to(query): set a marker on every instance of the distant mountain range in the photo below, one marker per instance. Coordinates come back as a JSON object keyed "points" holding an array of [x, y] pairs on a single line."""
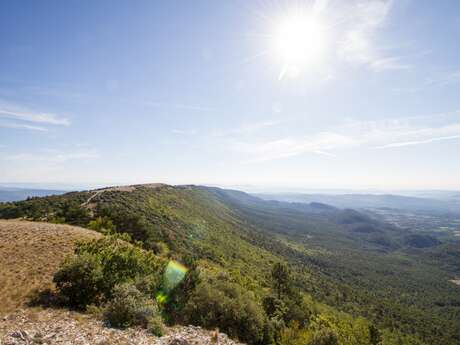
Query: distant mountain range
{"points": [[369, 201], [17, 194]]}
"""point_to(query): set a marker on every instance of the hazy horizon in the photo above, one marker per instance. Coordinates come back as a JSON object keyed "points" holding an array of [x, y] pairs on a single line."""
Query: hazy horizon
{"points": [[255, 189], [313, 94]]}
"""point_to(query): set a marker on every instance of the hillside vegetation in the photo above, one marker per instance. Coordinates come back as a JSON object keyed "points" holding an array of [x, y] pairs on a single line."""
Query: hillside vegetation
{"points": [[348, 276]]}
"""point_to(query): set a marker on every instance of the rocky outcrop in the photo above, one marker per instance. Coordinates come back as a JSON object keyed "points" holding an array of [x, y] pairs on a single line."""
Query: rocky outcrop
{"points": [[63, 327], [192, 335]]}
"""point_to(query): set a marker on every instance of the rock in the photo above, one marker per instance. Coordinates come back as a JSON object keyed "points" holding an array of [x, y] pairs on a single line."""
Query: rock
{"points": [[60, 327], [178, 341]]}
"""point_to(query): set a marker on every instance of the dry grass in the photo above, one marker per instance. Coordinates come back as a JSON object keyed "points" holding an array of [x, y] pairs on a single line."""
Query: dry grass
{"points": [[30, 252]]}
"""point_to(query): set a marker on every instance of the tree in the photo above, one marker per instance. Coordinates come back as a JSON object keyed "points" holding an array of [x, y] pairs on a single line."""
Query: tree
{"points": [[102, 224], [79, 280], [374, 335], [324, 337], [280, 276], [229, 307], [130, 307]]}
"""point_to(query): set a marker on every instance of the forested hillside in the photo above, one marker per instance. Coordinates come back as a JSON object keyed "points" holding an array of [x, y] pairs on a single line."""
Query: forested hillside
{"points": [[294, 272]]}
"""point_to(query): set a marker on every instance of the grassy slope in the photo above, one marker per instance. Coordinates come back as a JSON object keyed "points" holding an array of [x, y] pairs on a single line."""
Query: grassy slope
{"points": [[29, 254]]}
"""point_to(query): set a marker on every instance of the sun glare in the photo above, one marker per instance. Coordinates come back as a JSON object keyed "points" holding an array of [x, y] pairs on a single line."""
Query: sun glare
{"points": [[299, 41]]}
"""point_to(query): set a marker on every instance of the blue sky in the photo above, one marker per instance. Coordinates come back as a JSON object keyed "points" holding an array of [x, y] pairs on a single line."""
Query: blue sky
{"points": [[114, 92]]}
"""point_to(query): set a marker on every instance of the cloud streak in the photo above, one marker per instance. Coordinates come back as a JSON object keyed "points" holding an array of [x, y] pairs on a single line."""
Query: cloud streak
{"points": [[359, 26], [23, 126], [289, 147], [386, 134], [418, 142], [51, 156], [389, 63], [44, 118]]}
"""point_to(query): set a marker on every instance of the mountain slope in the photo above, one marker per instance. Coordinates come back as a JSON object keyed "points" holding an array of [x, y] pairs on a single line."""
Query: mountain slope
{"points": [[341, 257]]}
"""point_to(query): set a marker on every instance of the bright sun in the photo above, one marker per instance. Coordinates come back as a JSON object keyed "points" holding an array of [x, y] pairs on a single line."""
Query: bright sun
{"points": [[299, 41]]}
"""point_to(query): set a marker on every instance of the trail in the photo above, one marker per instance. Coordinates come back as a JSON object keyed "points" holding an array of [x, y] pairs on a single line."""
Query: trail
{"points": [[92, 197]]}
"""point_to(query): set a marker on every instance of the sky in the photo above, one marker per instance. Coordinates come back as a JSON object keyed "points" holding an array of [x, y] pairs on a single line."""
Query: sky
{"points": [[297, 94]]}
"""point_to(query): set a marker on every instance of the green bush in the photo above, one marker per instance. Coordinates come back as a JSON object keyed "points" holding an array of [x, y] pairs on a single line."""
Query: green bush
{"points": [[79, 280], [131, 222], [73, 213], [324, 337], [179, 296], [230, 308], [10, 210], [99, 265], [130, 307], [102, 224], [156, 325]]}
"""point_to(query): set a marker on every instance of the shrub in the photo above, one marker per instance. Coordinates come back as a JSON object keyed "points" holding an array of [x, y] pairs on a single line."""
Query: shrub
{"points": [[156, 325], [227, 306], [79, 280], [102, 224], [99, 265], [179, 296], [135, 224], [281, 278], [56, 220], [324, 337], [73, 213], [121, 261], [10, 210], [130, 307]]}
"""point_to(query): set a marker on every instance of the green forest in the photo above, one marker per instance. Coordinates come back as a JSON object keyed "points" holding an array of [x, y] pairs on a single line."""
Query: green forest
{"points": [[264, 272]]}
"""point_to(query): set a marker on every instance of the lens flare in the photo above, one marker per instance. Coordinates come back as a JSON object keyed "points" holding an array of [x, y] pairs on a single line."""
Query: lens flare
{"points": [[172, 276]]}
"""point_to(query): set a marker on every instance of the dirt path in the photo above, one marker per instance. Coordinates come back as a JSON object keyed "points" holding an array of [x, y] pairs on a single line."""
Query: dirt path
{"points": [[92, 197]]}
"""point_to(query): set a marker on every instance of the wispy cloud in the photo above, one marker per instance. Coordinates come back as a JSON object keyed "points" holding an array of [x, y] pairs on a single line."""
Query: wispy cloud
{"points": [[19, 117], [418, 142], [51, 156], [22, 126], [362, 20], [288, 147], [45, 118], [386, 134], [389, 63]]}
